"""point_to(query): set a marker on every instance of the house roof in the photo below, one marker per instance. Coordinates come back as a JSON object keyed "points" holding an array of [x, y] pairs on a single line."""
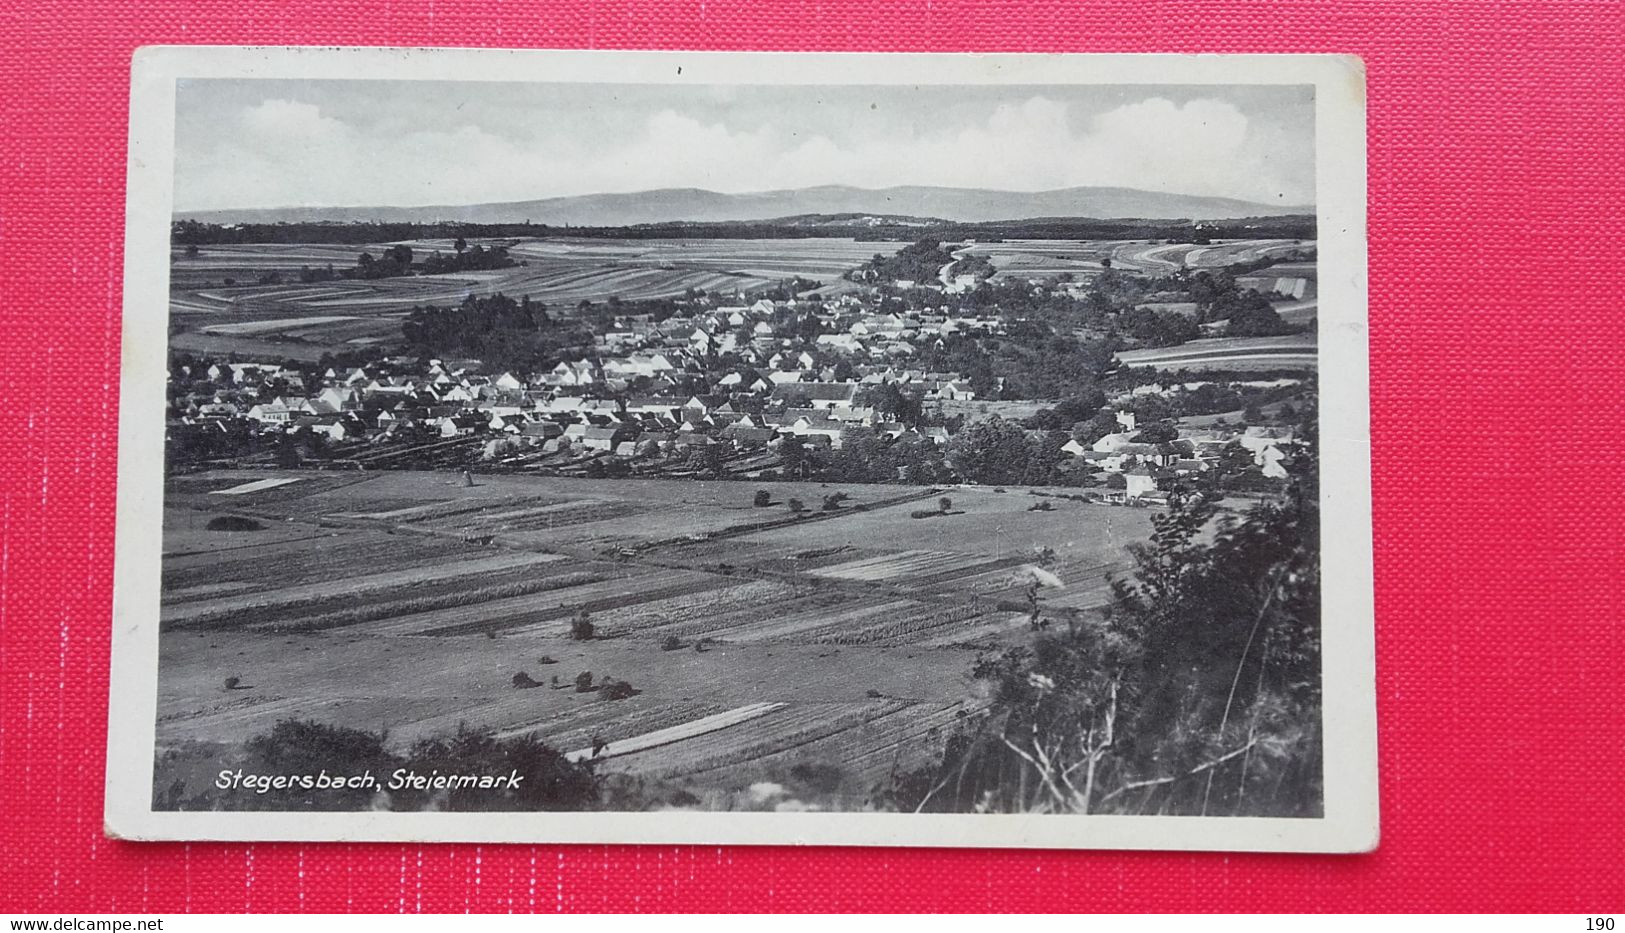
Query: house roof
{"points": [[815, 391]]}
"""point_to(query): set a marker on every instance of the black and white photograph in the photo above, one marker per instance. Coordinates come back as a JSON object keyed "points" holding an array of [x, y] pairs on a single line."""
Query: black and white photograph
{"points": [[679, 447]]}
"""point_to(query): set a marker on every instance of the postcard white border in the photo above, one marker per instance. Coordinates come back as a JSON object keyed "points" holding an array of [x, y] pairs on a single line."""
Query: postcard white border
{"points": [[1350, 823]]}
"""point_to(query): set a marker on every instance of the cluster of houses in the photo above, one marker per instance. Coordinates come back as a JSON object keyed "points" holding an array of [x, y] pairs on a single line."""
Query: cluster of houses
{"points": [[634, 398]]}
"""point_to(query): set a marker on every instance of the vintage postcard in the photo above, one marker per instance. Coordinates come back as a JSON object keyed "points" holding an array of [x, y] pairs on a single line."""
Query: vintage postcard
{"points": [[939, 450]]}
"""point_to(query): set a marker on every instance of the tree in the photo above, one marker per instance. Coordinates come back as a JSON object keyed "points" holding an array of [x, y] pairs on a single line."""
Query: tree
{"points": [[460, 245], [1196, 692], [991, 452], [584, 682], [763, 498], [1158, 432], [945, 504], [796, 506]]}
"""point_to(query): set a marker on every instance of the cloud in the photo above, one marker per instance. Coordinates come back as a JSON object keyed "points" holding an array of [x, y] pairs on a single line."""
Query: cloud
{"points": [[283, 152], [289, 121]]}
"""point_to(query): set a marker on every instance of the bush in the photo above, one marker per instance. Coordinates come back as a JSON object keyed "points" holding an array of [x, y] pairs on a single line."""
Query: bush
{"points": [[617, 690], [1041, 507], [584, 682], [763, 498], [547, 659], [523, 681], [233, 523], [946, 504], [581, 627], [833, 501], [672, 643], [796, 506], [233, 682]]}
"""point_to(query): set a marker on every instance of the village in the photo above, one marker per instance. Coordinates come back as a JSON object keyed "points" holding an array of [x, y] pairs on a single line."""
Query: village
{"points": [[718, 391]]}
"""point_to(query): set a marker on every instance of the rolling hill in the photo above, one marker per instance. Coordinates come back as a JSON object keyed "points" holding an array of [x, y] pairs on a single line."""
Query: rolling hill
{"points": [[699, 205]]}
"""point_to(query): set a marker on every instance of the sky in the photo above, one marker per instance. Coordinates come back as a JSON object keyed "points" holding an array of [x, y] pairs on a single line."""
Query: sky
{"points": [[246, 143]]}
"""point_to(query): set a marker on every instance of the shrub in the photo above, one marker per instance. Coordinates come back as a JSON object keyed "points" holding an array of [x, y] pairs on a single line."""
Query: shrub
{"points": [[946, 504], [833, 501], [1041, 507], [233, 523], [584, 682], [547, 659], [672, 643], [523, 681], [796, 506], [233, 682], [763, 498], [617, 690], [581, 627]]}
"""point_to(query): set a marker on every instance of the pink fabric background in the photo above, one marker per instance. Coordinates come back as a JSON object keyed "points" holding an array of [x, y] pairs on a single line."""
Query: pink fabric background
{"points": [[1497, 161]]}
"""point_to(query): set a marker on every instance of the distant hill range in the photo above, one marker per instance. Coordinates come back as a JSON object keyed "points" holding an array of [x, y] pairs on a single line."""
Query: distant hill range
{"points": [[695, 205]]}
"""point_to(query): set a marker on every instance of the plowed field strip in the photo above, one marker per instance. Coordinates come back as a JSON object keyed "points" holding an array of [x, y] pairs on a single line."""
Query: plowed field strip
{"points": [[311, 593], [491, 614], [671, 734]]}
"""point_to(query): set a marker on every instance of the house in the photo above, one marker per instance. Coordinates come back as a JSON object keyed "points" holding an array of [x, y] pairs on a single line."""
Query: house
{"points": [[278, 412], [461, 425], [538, 432], [507, 424], [820, 395], [1141, 481], [603, 439], [1074, 448], [1111, 443], [745, 437], [807, 427]]}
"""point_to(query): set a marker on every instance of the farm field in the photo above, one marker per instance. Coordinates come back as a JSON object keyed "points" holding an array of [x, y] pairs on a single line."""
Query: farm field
{"points": [[1023, 259], [300, 320], [1294, 351], [842, 638]]}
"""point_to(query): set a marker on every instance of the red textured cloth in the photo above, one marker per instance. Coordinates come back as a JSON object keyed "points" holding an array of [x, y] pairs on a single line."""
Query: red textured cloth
{"points": [[1497, 138]]}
